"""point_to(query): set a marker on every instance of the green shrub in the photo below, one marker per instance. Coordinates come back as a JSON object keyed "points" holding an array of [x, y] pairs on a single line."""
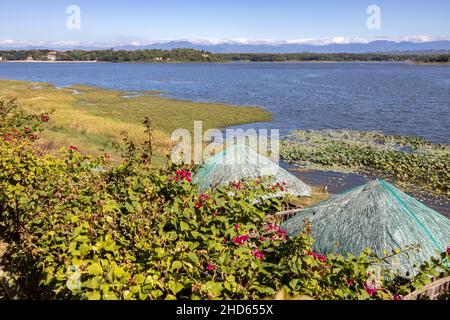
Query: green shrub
{"points": [[83, 228]]}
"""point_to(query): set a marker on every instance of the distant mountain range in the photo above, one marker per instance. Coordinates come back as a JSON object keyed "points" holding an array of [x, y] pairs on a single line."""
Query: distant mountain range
{"points": [[374, 46], [277, 47]]}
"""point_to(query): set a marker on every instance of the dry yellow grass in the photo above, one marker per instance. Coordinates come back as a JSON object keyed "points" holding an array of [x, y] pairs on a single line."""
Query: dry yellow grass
{"points": [[318, 194]]}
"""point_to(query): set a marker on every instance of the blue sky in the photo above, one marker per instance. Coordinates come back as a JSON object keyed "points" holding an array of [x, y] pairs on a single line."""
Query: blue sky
{"points": [[125, 21]]}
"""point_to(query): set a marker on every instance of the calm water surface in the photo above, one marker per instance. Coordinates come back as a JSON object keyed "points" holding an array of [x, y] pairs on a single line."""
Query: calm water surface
{"points": [[395, 98]]}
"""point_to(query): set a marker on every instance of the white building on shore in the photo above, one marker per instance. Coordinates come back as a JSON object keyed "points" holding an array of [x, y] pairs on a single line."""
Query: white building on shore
{"points": [[51, 56]]}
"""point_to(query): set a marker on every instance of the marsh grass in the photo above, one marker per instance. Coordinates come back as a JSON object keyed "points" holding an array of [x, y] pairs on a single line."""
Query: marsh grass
{"points": [[93, 118]]}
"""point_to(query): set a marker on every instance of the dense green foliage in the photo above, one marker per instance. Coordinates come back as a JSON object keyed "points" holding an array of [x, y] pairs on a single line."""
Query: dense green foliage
{"points": [[82, 228], [407, 159], [286, 57], [175, 55], [191, 55]]}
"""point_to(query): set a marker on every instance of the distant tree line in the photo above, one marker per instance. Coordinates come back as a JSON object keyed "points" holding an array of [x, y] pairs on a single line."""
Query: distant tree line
{"points": [[191, 55], [25, 54], [176, 55], [286, 57]]}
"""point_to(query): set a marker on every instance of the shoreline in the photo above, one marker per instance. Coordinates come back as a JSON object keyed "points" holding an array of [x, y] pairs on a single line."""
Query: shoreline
{"points": [[36, 61], [230, 62]]}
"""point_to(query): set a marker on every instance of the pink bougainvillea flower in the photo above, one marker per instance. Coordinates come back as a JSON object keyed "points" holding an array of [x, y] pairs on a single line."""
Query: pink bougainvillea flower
{"points": [[258, 254], [370, 289], [73, 148], [216, 213], [237, 185], [318, 256], [45, 118], [183, 175], [198, 205], [211, 267], [240, 240], [350, 282], [245, 237], [203, 197], [397, 297], [262, 238], [448, 249], [236, 226], [282, 233]]}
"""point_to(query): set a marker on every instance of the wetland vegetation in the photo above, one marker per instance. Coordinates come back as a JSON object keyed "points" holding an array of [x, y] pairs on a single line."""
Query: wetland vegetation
{"points": [[412, 162]]}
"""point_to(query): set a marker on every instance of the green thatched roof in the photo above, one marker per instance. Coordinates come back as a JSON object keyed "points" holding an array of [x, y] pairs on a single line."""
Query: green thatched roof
{"points": [[377, 216], [240, 161]]}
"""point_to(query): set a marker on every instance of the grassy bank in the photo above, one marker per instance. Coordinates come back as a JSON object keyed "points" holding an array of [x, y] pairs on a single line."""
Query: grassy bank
{"points": [[93, 118]]}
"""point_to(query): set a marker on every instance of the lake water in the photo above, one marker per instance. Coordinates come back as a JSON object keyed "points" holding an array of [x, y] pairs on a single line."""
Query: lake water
{"points": [[395, 98]]}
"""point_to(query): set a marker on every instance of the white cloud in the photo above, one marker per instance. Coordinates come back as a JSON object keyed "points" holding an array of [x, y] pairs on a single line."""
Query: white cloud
{"points": [[214, 41], [6, 41]]}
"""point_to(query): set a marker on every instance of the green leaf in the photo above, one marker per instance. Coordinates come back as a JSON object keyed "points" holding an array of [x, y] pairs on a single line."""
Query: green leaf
{"points": [[193, 257], [94, 269], [110, 296], [94, 295], [213, 287], [175, 287], [184, 226], [177, 265], [129, 207]]}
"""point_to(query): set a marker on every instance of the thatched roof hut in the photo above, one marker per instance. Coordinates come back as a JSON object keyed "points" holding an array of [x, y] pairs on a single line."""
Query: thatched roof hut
{"points": [[377, 216], [240, 161]]}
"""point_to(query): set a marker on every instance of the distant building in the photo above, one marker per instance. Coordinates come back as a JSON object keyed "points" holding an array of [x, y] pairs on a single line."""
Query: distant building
{"points": [[205, 55], [1, 58], [30, 58], [51, 56], [158, 59]]}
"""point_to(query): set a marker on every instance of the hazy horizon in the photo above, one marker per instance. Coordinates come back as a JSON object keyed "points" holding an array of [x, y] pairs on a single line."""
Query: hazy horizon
{"points": [[137, 22]]}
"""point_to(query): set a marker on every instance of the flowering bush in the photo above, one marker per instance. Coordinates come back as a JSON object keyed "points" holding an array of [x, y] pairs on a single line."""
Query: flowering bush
{"points": [[130, 231], [16, 124]]}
